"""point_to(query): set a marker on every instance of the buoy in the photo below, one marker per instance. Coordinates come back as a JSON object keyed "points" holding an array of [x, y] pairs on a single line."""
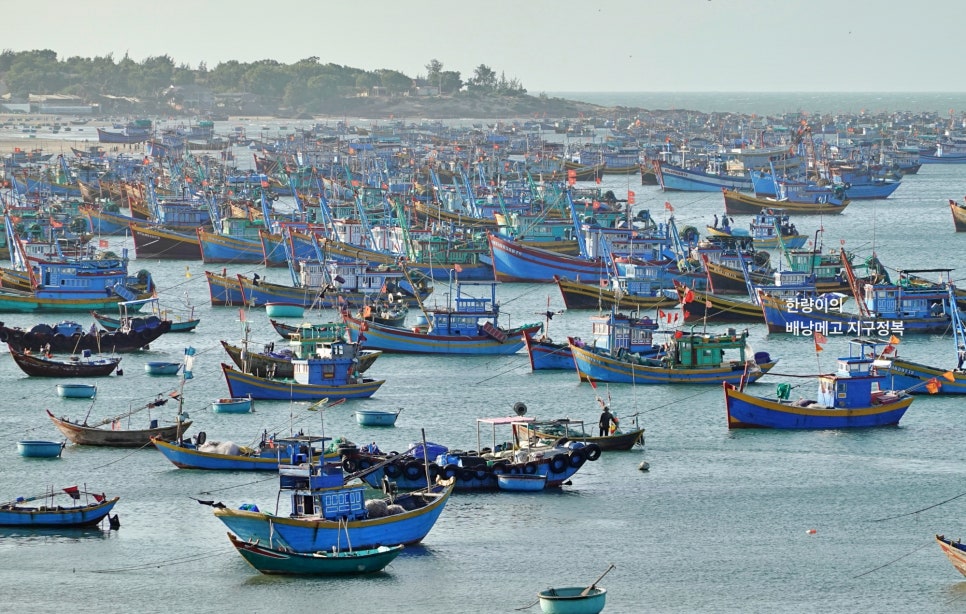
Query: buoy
{"points": [[811, 532], [644, 466]]}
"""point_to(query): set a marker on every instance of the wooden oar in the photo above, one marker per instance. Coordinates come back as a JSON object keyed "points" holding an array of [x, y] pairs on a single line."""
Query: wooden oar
{"points": [[587, 590]]}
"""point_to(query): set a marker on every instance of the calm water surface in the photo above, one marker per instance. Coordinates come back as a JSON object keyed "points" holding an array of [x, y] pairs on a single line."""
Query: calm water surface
{"points": [[718, 524]]}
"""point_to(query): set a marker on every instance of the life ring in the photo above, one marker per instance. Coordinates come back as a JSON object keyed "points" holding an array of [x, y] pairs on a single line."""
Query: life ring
{"points": [[465, 475], [592, 451], [515, 470], [433, 472], [481, 474], [499, 467], [393, 470], [558, 464], [413, 470], [349, 464], [530, 467], [449, 471], [577, 458]]}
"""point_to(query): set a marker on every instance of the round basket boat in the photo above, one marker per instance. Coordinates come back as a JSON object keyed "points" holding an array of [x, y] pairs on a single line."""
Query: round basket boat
{"points": [[570, 600], [76, 391], [376, 417], [284, 310], [162, 368], [232, 405], [40, 449]]}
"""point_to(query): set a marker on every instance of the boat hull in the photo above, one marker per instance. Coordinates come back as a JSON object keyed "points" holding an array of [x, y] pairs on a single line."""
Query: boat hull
{"points": [[81, 516], [159, 243], [780, 319], [91, 436], [405, 341], [224, 291], [263, 388], [274, 561], [374, 417], [189, 457], [747, 411], [913, 376], [40, 449], [577, 295], [737, 203], [954, 551], [76, 391], [593, 366], [545, 355], [516, 262], [571, 600]]}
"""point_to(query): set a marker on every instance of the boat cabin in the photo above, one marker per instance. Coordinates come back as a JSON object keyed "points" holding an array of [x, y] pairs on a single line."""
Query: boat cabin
{"points": [[619, 332], [319, 490], [471, 315], [333, 364], [906, 300], [855, 383], [701, 350]]}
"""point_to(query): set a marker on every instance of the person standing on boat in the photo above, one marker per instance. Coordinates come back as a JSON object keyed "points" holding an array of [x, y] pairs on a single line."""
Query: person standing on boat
{"points": [[606, 419]]}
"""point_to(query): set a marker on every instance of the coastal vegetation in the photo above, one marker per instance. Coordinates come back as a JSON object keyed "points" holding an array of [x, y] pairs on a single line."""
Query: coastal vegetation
{"points": [[308, 86]]}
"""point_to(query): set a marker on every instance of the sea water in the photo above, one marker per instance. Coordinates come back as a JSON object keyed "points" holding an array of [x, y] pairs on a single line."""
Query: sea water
{"points": [[724, 521]]}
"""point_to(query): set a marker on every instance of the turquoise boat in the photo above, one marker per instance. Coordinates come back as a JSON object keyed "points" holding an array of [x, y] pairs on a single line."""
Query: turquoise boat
{"points": [[76, 391], [279, 561], [376, 417], [284, 310], [156, 367], [572, 600], [228, 456], [522, 482], [326, 513], [232, 405], [40, 449]]}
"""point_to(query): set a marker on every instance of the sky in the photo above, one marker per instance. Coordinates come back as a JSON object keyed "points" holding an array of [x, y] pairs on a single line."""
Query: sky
{"points": [[559, 46]]}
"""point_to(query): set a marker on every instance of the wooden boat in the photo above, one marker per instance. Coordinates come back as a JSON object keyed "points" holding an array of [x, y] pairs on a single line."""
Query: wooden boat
{"points": [[706, 306], [153, 242], [180, 322], [546, 354], [40, 449], [115, 435], [70, 337], [517, 262], [580, 295], [223, 290], [471, 327], [738, 203], [246, 384], [959, 215], [955, 551], [284, 310], [574, 430], [673, 177], [340, 563], [318, 331], [75, 366], [76, 391], [52, 514], [272, 363], [522, 482], [271, 451], [478, 471], [572, 600], [159, 367], [233, 405], [327, 512], [849, 398], [376, 417]]}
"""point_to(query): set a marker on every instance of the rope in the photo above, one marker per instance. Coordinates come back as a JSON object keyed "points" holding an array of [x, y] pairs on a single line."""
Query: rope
{"points": [[917, 549], [208, 492], [921, 510], [168, 562]]}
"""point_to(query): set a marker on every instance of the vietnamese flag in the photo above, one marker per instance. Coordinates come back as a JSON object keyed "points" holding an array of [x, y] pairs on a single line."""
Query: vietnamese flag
{"points": [[631, 197]]}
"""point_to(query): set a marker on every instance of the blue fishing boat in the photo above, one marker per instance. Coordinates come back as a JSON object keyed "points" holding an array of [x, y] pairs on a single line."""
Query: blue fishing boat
{"points": [[332, 371], [685, 358], [341, 563], [546, 354], [883, 309], [849, 398], [224, 290], [34, 448], [326, 512], [471, 327], [107, 221], [51, 513], [672, 177], [271, 451], [181, 321], [514, 261]]}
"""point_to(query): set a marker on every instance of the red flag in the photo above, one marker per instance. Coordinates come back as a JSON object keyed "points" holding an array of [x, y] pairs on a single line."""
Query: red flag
{"points": [[894, 340], [689, 296], [55, 223], [363, 327], [933, 386], [660, 314], [103, 243], [457, 268], [678, 334], [264, 184], [631, 197], [99, 497], [888, 349], [667, 205], [819, 337], [949, 376], [597, 179], [818, 348], [73, 491]]}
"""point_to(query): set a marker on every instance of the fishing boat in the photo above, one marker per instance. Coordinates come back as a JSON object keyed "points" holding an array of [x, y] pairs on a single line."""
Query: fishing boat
{"points": [[515, 261], [277, 362], [75, 366], [472, 470], [233, 405], [768, 229], [316, 331], [340, 563], [181, 322], [154, 242], [223, 290], [849, 398], [327, 511], [331, 371], [266, 455], [76, 391], [160, 367], [471, 327], [376, 417], [955, 551], [673, 177], [71, 337], [575, 430], [959, 215], [546, 354], [33, 448], [823, 203], [49, 512], [621, 292], [117, 434], [702, 306], [521, 482]]}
